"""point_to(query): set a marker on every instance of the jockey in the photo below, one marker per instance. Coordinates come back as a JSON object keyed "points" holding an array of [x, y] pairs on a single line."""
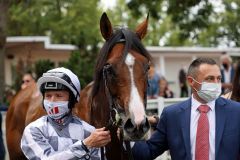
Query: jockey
{"points": [[59, 134]]}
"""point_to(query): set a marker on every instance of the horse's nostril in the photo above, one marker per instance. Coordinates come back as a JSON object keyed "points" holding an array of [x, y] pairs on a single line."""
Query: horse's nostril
{"points": [[129, 126], [145, 126]]}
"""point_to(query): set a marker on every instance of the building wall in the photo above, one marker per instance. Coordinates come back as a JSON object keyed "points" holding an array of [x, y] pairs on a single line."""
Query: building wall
{"points": [[32, 52], [168, 61], [169, 64]]}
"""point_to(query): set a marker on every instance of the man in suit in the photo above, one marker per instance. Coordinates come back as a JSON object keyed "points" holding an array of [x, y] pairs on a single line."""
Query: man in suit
{"points": [[227, 72], [190, 133], [183, 82]]}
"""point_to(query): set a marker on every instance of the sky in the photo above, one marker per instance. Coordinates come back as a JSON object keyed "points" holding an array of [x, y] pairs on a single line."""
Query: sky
{"points": [[108, 3]]}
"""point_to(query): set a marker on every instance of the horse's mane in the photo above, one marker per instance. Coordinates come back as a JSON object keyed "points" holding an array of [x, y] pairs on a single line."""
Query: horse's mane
{"points": [[131, 40]]}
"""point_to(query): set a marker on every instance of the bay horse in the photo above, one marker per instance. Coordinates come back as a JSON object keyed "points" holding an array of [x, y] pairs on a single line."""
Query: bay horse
{"points": [[118, 94], [26, 102], [116, 98]]}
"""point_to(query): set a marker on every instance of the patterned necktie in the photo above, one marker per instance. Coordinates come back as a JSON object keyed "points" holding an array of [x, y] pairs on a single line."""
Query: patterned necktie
{"points": [[202, 138]]}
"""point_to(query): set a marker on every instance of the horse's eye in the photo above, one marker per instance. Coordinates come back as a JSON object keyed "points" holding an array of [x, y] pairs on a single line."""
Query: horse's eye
{"points": [[148, 67], [108, 70], [107, 67]]}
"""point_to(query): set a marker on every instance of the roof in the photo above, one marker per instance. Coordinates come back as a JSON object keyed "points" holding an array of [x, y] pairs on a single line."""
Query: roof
{"points": [[153, 49], [230, 51], [44, 39]]}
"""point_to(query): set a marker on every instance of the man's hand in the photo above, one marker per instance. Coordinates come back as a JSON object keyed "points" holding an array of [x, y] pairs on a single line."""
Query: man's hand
{"points": [[153, 120], [98, 138]]}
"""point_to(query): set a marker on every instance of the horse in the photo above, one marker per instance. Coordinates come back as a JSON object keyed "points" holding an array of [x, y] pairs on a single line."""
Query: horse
{"points": [[24, 103], [118, 94], [115, 99]]}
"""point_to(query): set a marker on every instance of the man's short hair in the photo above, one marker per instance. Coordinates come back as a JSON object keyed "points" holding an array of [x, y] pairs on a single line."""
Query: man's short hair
{"points": [[194, 66]]}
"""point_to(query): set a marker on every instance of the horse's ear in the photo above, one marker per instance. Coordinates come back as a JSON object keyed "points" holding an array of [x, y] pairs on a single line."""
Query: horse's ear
{"points": [[141, 29], [105, 27]]}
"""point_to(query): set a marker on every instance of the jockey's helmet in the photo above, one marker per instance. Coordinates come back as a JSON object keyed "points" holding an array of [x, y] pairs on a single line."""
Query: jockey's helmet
{"points": [[61, 79]]}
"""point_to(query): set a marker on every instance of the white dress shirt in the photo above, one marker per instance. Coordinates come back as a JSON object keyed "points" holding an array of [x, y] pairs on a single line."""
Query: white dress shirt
{"points": [[193, 127], [227, 75]]}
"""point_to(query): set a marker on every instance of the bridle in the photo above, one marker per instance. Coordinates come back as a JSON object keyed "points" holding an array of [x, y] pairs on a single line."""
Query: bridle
{"points": [[115, 120], [114, 117]]}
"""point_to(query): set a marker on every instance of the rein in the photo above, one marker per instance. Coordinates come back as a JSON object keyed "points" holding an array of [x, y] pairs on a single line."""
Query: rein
{"points": [[115, 121]]}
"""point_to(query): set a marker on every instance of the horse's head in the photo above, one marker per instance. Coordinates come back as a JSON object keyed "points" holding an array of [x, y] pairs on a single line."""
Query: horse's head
{"points": [[121, 80]]}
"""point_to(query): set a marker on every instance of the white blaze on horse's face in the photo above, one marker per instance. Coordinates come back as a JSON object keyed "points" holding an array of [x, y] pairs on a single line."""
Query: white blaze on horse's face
{"points": [[136, 106]]}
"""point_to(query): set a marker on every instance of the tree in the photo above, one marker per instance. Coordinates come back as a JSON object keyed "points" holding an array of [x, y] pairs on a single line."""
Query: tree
{"points": [[43, 66], [4, 5], [229, 24], [190, 23], [185, 19], [68, 22], [84, 68], [122, 16]]}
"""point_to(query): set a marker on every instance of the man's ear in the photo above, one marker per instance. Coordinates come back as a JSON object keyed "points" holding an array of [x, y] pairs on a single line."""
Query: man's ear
{"points": [[190, 81]]}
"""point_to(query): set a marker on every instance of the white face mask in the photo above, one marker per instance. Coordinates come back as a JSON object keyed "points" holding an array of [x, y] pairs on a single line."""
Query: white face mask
{"points": [[209, 91], [56, 110]]}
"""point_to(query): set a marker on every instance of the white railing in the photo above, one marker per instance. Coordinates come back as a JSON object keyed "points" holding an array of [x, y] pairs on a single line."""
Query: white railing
{"points": [[154, 106]]}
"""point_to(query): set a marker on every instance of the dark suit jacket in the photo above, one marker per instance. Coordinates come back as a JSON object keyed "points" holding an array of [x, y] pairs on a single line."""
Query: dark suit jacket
{"points": [[173, 133]]}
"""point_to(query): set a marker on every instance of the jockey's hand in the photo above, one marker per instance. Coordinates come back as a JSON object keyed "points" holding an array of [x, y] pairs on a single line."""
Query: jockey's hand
{"points": [[98, 138]]}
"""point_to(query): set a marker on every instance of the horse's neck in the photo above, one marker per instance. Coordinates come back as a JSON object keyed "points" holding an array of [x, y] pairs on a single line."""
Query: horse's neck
{"points": [[35, 107], [19, 107], [83, 108]]}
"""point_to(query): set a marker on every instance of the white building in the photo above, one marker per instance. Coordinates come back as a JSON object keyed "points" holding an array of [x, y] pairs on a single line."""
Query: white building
{"points": [[168, 60], [33, 48]]}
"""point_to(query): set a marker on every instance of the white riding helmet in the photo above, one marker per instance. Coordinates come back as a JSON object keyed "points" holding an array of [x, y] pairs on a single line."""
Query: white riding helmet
{"points": [[60, 78]]}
